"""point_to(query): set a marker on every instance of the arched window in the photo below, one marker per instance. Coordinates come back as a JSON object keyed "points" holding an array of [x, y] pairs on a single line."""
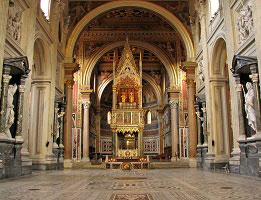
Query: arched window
{"points": [[45, 6], [149, 118], [214, 6], [109, 117]]}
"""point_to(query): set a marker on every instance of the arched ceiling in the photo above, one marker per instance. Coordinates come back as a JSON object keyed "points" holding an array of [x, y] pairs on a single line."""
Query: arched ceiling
{"points": [[99, 22]]}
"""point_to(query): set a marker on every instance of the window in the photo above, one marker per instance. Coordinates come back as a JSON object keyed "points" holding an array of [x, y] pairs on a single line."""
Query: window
{"points": [[214, 6], [149, 118], [45, 6]]}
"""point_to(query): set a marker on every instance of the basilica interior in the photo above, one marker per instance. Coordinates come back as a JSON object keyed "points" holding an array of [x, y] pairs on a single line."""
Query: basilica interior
{"points": [[130, 85]]}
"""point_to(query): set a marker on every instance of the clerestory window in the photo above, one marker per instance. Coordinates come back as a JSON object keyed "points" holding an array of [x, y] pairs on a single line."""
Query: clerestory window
{"points": [[214, 6], [45, 6]]}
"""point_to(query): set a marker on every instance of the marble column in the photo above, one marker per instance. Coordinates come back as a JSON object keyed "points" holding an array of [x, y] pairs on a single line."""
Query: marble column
{"points": [[86, 131], [98, 128], [114, 153], [5, 82], [199, 125], [140, 142], [192, 118], [242, 133], [189, 68], [160, 121], [61, 127], [114, 97], [68, 120], [205, 134], [21, 89], [174, 128], [56, 109], [3, 24]]}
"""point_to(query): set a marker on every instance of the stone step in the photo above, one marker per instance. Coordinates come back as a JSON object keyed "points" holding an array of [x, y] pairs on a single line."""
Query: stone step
{"points": [[88, 165], [168, 165]]}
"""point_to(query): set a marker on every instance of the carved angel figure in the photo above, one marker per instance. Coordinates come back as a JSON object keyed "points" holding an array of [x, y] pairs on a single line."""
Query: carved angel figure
{"points": [[10, 109]]}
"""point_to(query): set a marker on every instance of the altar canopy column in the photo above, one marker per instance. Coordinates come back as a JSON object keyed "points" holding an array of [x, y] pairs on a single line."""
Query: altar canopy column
{"points": [[98, 128], [160, 118], [174, 106], [5, 82], [69, 69], [114, 153], [189, 68], [86, 93], [86, 131], [140, 142]]}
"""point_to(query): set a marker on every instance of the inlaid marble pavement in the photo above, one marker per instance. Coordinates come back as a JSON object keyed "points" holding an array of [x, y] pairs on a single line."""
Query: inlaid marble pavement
{"points": [[170, 184]]}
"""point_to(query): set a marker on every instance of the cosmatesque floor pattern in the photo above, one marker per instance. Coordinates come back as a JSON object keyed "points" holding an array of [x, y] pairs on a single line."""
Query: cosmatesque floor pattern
{"points": [[170, 184]]}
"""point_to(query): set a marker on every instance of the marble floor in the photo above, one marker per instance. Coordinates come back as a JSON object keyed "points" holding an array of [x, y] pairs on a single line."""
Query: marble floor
{"points": [[181, 184]]}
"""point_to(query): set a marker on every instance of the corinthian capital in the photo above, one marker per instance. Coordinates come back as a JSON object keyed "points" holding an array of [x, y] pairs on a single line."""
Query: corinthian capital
{"points": [[173, 104], [86, 104]]}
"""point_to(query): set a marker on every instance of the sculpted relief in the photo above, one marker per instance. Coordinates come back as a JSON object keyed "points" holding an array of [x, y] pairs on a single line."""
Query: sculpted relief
{"points": [[245, 23], [14, 22], [201, 72]]}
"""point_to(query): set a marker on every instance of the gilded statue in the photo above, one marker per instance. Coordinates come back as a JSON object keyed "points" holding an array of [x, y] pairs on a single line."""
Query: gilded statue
{"points": [[123, 98], [131, 97]]}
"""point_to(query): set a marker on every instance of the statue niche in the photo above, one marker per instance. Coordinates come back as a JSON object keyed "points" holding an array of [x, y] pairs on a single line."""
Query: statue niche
{"points": [[127, 92]]}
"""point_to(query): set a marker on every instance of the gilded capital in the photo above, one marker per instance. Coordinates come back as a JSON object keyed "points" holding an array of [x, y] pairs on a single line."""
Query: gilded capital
{"points": [[69, 84], [173, 104], [86, 104], [190, 82]]}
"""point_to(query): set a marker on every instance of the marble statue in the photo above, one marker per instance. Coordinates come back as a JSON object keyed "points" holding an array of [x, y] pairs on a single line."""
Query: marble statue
{"points": [[10, 115], [201, 71], [249, 106]]}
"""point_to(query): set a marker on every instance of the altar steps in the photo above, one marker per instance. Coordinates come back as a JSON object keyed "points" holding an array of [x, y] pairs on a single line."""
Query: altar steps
{"points": [[88, 165], [169, 165]]}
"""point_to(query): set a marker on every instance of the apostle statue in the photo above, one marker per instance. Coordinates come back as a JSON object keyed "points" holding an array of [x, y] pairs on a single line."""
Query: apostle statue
{"points": [[131, 97], [123, 98], [10, 115], [249, 106]]}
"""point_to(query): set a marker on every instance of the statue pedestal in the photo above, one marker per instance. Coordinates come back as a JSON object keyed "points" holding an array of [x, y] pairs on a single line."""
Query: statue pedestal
{"points": [[10, 154], [250, 157]]}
